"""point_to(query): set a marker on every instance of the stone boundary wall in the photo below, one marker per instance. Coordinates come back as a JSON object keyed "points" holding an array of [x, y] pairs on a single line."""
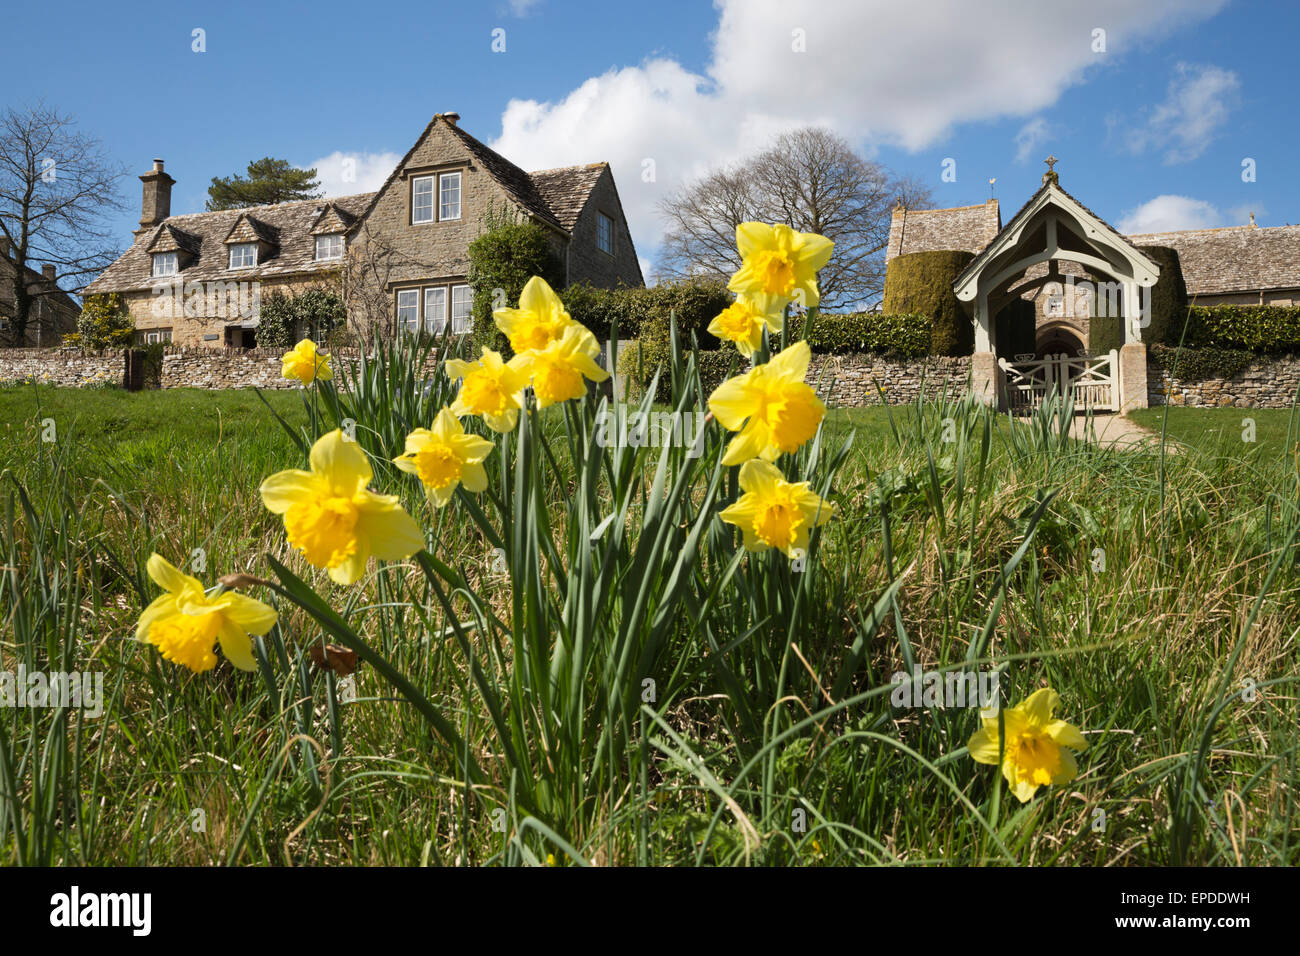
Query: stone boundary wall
{"points": [[849, 381], [183, 367], [1267, 382], [840, 380]]}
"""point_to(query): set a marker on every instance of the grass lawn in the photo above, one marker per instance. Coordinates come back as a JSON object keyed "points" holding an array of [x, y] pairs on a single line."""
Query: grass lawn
{"points": [[1159, 598]]}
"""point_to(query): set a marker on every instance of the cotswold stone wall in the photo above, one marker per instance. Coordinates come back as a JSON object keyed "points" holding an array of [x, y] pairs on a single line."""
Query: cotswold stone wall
{"points": [[1265, 383], [850, 380], [182, 367]]}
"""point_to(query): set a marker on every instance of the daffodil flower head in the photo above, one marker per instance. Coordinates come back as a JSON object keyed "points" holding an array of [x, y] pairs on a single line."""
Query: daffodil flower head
{"points": [[444, 457], [489, 388], [306, 363], [779, 265], [771, 407], [540, 319], [1035, 753], [332, 517], [185, 624], [743, 324], [773, 512], [557, 371]]}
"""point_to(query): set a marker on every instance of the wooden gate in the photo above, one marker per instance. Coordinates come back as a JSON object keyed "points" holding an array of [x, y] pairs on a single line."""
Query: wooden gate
{"points": [[1092, 380]]}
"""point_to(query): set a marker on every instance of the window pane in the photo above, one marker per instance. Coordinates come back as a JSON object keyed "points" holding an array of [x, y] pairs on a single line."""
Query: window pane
{"points": [[462, 305], [604, 233], [408, 310], [435, 309], [422, 199], [449, 186]]}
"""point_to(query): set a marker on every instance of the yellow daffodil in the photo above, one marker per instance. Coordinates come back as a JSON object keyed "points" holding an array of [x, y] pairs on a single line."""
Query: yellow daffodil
{"points": [[333, 518], [773, 512], [556, 371], [306, 363], [540, 319], [778, 266], [444, 457], [743, 324], [185, 624], [771, 406], [489, 388], [1035, 753]]}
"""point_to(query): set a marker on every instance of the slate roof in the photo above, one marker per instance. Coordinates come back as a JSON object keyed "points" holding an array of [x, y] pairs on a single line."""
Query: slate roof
{"points": [[290, 224], [1233, 259], [566, 190], [969, 228], [554, 196]]}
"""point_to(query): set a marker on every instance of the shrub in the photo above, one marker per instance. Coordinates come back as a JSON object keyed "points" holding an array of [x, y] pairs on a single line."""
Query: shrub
{"points": [[641, 359], [104, 323], [1266, 329], [920, 283], [880, 332], [501, 261], [1168, 297], [284, 319], [1195, 364]]}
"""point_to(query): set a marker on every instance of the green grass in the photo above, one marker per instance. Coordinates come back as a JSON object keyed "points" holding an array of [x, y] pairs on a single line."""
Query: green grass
{"points": [[1145, 590]]}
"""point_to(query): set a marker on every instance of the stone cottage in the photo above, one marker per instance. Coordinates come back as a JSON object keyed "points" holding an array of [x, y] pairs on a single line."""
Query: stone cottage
{"points": [[53, 312], [198, 279]]}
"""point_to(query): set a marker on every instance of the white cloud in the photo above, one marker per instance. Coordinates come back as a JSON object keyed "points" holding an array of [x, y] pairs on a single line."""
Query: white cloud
{"points": [[1169, 213], [1032, 135], [872, 70], [1198, 103], [346, 173], [521, 8]]}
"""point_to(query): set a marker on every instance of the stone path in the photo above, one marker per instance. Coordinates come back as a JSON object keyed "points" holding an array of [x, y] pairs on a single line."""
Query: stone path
{"points": [[1119, 431]]}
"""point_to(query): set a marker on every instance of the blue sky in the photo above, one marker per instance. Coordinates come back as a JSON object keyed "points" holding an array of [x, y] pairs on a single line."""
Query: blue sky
{"points": [[1151, 132]]}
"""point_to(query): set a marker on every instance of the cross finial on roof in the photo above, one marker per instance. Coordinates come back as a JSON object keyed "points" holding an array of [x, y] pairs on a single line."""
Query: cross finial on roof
{"points": [[1051, 175]]}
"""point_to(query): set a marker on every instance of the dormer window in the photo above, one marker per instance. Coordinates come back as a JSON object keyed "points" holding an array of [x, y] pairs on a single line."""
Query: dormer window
{"points": [[243, 255], [449, 196], [165, 264], [329, 247]]}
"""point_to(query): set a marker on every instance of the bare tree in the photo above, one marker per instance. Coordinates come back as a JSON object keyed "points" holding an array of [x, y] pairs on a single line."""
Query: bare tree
{"points": [[57, 189], [811, 180]]}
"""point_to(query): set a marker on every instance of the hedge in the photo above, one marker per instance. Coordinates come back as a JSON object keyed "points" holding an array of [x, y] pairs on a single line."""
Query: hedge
{"points": [[880, 332], [1168, 297], [1265, 329], [1195, 364], [920, 283], [643, 313], [641, 359]]}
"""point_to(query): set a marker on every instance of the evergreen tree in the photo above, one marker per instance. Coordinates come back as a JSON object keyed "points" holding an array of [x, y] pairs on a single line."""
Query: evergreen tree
{"points": [[268, 181]]}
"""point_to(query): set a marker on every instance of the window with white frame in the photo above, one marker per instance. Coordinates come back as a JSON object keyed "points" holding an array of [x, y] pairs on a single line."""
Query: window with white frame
{"points": [[422, 199], [435, 309], [449, 196], [154, 336], [604, 233], [243, 255], [329, 247], [165, 264], [462, 309], [408, 310]]}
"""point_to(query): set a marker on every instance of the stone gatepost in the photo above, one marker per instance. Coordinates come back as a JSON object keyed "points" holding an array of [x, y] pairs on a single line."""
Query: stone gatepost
{"points": [[1132, 376], [986, 377]]}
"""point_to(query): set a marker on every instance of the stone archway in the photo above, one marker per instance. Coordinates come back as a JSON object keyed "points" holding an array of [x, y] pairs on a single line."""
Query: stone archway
{"points": [[1059, 338]]}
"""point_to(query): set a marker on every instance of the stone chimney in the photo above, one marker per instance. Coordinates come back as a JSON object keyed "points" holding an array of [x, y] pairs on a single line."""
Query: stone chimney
{"points": [[156, 204], [452, 118], [48, 271]]}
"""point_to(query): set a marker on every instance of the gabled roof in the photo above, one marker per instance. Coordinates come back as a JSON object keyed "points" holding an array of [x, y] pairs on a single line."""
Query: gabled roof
{"points": [[1094, 227], [1233, 259], [290, 222], [968, 228], [566, 190], [249, 229], [167, 238], [333, 219]]}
